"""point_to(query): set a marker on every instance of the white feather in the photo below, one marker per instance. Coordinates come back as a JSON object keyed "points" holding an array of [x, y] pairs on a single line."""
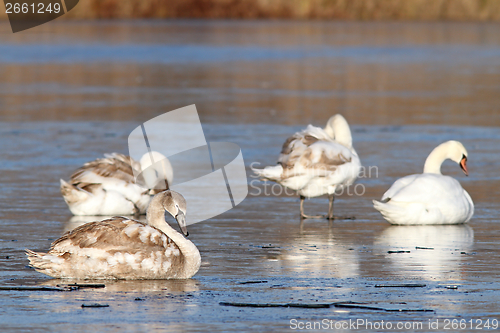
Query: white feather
{"points": [[430, 197]]}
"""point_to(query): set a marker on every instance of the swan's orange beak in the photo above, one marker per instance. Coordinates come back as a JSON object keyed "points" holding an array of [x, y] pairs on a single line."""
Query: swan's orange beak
{"points": [[463, 165]]}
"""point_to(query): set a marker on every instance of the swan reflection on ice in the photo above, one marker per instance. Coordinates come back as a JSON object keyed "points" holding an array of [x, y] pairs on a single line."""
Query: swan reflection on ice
{"points": [[133, 286], [435, 250], [317, 252]]}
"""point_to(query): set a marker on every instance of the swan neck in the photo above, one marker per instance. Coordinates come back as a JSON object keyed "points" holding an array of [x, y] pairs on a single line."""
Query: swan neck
{"points": [[340, 132], [156, 218], [434, 160], [345, 137], [329, 132]]}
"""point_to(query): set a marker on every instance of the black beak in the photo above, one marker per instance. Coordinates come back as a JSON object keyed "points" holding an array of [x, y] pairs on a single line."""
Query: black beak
{"points": [[463, 165], [181, 221]]}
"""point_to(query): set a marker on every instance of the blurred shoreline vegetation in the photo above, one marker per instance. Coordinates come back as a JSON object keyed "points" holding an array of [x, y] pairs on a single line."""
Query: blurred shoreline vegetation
{"points": [[426, 10]]}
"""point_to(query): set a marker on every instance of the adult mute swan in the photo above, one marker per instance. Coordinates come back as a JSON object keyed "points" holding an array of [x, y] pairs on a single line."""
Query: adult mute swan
{"points": [[430, 197], [107, 186], [120, 248], [316, 161]]}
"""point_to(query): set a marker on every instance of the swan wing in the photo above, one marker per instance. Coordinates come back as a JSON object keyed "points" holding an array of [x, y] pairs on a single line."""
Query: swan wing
{"points": [[296, 143], [292, 149], [308, 155], [398, 185], [312, 162], [317, 159], [426, 199], [105, 186], [424, 188], [114, 233], [116, 166], [114, 248]]}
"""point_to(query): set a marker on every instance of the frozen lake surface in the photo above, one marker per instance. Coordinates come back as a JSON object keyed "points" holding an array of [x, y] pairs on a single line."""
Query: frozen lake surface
{"points": [[73, 91]]}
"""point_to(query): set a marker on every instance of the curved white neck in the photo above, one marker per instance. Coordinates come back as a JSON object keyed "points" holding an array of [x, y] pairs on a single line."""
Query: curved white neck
{"points": [[156, 218], [340, 131], [344, 137], [435, 159], [155, 167]]}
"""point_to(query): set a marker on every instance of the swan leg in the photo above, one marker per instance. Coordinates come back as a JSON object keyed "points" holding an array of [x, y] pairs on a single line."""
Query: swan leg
{"points": [[304, 216], [330, 211]]}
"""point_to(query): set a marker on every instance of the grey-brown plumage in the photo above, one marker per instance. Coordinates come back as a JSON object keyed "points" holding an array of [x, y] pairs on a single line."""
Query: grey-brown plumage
{"points": [[316, 161], [121, 248], [114, 185], [115, 165]]}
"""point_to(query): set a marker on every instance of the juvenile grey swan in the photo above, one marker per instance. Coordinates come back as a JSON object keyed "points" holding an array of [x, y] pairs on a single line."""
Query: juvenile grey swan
{"points": [[107, 186], [316, 161], [120, 248]]}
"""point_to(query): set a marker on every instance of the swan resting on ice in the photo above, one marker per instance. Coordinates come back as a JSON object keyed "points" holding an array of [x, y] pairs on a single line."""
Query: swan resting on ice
{"points": [[430, 197], [121, 248], [108, 186]]}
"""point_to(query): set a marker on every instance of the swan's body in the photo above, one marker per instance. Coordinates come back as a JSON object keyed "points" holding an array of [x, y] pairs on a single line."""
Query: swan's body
{"points": [[316, 161], [107, 186], [120, 248], [430, 197]]}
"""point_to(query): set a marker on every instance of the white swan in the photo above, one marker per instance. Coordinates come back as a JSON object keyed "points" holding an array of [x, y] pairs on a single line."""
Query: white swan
{"points": [[316, 161], [430, 197], [107, 186], [120, 248]]}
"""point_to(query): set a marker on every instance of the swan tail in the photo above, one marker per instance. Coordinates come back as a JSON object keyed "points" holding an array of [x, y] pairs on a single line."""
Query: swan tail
{"points": [[72, 194], [394, 214], [270, 172], [37, 261], [45, 263]]}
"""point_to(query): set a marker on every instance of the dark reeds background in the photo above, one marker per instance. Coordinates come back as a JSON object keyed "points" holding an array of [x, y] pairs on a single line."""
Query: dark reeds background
{"points": [[455, 10], [459, 10]]}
